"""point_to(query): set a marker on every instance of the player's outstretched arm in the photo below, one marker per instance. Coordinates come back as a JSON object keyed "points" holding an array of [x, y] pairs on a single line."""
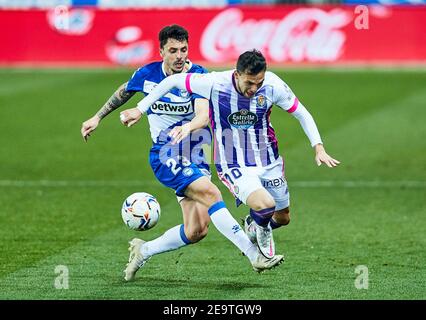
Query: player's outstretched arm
{"points": [[201, 120], [322, 157], [120, 97], [311, 130], [197, 83], [285, 99], [170, 82]]}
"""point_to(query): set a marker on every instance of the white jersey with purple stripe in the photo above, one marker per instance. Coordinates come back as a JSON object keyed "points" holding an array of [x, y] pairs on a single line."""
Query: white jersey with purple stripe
{"points": [[243, 133]]}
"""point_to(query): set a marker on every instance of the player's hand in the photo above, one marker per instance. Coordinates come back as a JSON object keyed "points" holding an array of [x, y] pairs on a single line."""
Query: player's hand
{"points": [[322, 157], [89, 126], [130, 116], [180, 132]]}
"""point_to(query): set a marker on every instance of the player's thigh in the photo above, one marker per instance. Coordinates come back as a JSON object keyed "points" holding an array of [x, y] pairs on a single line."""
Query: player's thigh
{"points": [[241, 182], [274, 181], [203, 191]]}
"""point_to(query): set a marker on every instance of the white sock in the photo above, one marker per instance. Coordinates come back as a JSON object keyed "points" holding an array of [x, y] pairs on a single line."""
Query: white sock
{"points": [[229, 227], [172, 239]]}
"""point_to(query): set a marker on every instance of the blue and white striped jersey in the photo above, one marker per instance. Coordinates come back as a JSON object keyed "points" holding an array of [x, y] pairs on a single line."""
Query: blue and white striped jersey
{"points": [[174, 109]]}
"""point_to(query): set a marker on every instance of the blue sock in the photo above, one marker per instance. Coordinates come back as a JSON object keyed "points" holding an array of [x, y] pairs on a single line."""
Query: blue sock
{"points": [[183, 235], [262, 217], [274, 224]]}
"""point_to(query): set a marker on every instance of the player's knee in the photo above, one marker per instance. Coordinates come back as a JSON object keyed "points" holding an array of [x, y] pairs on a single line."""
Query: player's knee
{"points": [[196, 234], [211, 193], [264, 203]]}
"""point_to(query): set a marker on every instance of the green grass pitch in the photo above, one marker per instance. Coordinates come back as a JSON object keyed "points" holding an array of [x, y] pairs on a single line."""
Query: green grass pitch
{"points": [[60, 198]]}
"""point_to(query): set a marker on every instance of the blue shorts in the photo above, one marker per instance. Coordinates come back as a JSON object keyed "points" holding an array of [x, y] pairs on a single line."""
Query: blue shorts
{"points": [[176, 172]]}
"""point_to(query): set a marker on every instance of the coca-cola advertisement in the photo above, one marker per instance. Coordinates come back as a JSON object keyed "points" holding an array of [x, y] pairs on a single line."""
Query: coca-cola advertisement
{"points": [[285, 34]]}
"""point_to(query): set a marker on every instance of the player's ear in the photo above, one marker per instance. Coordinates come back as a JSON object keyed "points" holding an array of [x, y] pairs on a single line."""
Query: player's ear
{"points": [[162, 52], [236, 74]]}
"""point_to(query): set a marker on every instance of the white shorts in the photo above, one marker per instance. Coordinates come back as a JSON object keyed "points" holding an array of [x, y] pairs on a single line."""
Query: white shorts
{"points": [[243, 181]]}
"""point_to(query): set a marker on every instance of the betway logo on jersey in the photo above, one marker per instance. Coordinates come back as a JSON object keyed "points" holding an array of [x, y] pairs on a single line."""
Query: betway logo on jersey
{"points": [[178, 109], [242, 119]]}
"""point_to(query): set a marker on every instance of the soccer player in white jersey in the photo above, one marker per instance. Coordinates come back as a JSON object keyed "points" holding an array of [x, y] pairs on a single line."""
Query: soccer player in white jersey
{"points": [[245, 146], [175, 116]]}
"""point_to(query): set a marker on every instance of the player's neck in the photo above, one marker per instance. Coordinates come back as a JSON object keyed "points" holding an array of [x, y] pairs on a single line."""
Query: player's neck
{"points": [[235, 83], [169, 71]]}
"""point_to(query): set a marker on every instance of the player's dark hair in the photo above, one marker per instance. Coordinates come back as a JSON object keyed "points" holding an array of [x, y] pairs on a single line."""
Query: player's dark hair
{"points": [[251, 62], [172, 32]]}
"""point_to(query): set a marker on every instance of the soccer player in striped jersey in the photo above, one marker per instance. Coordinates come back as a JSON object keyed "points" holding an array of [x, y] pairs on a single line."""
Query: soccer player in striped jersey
{"points": [[175, 116], [245, 145]]}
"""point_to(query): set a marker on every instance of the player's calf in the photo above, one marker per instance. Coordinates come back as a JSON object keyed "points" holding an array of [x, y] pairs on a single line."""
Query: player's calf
{"points": [[264, 238], [262, 206], [280, 218], [196, 220], [195, 234]]}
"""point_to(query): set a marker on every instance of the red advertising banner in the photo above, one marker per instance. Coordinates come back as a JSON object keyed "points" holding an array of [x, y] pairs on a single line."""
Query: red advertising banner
{"points": [[285, 34]]}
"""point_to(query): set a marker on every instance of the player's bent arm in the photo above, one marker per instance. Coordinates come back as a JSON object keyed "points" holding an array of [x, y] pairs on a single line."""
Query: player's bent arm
{"points": [[193, 83], [120, 97], [200, 120]]}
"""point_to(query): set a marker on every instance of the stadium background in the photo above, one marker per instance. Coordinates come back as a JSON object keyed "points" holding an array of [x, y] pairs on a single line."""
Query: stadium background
{"points": [[363, 79]]}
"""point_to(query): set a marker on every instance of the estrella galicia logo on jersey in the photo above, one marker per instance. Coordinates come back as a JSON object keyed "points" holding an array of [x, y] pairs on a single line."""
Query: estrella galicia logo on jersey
{"points": [[261, 101], [187, 172], [242, 119], [172, 108]]}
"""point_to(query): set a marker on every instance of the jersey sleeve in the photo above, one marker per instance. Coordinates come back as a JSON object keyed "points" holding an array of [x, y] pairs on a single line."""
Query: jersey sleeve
{"points": [[201, 70], [200, 84], [137, 80], [283, 96], [308, 124]]}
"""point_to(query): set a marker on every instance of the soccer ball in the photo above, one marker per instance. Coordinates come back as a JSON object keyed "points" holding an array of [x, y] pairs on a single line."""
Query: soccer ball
{"points": [[140, 211]]}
